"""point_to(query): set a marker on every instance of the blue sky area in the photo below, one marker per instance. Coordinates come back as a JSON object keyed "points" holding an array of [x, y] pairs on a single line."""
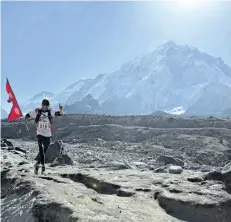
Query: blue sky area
{"points": [[49, 45]]}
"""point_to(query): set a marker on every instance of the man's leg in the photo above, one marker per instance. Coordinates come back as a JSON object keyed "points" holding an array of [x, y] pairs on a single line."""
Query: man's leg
{"points": [[41, 154], [41, 149], [46, 144]]}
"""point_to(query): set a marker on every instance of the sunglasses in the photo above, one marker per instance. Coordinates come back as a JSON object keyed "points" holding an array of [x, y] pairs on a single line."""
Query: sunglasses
{"points": [[45, 106]]}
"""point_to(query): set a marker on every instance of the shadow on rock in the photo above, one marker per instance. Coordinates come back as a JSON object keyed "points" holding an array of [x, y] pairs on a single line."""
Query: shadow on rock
{"points": [[98, 186]]}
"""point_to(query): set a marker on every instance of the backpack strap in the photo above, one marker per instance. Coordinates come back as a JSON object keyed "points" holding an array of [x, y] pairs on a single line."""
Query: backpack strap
{"points": [[37, 118], [50, 116]]}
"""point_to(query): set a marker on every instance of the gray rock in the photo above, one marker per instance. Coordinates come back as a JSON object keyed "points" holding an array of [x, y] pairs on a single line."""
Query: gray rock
{"points": [[214, 175], [226, 177], [175, 169], [228, 153], [170, 160], [193, 206], [10, 148], [53, 152], [23, 163], [20, 150], [62, 160], [198, 201], [8, 143], [139, 164], [160, 170], [195, 179], [115, 165], [227, 167], [3, 145]]}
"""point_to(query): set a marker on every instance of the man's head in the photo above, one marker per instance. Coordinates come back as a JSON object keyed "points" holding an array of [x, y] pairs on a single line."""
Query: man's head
{"points": [[45, 104]]}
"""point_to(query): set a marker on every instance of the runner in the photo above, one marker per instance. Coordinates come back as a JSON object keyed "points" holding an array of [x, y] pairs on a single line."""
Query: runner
{"points": [[44, 130]]}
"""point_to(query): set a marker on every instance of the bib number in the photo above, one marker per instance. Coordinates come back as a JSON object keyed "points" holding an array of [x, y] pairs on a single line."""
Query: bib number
{"points": [[44, 126]]}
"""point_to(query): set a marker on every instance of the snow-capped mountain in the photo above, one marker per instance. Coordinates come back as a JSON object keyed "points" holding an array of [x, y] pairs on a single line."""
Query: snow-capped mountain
{"points": [[176, 111], [227, 112], [171, 76], [86, 105], [79, 90], [4, 114], [36, 101]]}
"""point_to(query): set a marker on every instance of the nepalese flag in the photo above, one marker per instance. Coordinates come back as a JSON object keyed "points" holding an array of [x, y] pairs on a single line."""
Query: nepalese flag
{"points": [[15, 112]]}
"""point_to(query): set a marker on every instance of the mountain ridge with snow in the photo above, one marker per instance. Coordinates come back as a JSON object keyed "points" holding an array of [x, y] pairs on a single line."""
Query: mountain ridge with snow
{"points": [[171, 76], [4, 114], [36, 101]]}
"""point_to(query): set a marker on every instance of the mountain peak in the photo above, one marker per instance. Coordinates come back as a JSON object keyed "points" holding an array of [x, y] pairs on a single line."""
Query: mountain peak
{"points": [[44, 94], [172, 45], [169, 43], [36, 100]]}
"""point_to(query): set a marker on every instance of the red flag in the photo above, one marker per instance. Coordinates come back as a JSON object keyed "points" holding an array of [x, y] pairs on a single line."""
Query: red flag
{"points": [[15, 112]]}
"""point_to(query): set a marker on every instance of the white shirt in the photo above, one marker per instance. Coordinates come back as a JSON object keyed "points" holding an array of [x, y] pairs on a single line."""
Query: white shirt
{"points": [[43, 127]]}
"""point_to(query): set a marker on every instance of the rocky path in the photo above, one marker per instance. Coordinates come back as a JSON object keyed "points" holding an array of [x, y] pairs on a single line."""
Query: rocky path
{"points": [[68, 193]]}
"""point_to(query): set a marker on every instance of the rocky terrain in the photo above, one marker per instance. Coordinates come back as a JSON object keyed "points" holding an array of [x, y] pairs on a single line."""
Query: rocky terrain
{"points": [[127, 168]]}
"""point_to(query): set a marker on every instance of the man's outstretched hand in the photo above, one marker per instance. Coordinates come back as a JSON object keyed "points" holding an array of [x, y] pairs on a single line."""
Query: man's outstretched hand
{"points": [[60, 109]]}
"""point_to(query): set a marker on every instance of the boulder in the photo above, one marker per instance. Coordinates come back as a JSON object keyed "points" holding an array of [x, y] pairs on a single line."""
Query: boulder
{"points": [[160, 170], [226, 177], [61, 160], [115, 165], [213, 175], [175, 169], [139, 164], [170, 160], [8, 143], [20, 150], [3, 145], [228, 153], [194, 202], [195, 179], [53, 152]]}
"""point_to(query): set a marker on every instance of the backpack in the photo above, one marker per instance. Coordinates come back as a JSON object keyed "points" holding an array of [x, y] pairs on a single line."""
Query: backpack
{"points": [[37, 118]]}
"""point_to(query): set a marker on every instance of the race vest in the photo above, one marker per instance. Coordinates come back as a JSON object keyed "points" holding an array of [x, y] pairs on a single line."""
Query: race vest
{"points": [[44, 127]]}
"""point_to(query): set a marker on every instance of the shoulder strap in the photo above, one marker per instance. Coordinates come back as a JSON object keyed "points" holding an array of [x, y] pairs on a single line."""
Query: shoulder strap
{"points": [[38, 116], [50, 116]]}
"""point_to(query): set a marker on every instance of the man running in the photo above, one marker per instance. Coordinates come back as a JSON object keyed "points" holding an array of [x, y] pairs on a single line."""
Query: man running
{"points": [[44, 130]]}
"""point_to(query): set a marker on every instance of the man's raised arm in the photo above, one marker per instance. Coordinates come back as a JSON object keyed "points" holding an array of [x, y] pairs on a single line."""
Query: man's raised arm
{"points": [[31, 114], [58, 113]]}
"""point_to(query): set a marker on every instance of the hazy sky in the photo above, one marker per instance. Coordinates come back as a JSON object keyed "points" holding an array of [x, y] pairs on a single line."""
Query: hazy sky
{"points": [[49, 45]]}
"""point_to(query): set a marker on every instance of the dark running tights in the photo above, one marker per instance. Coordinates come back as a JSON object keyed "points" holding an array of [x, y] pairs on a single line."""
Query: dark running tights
{"points": [[44, 143]]}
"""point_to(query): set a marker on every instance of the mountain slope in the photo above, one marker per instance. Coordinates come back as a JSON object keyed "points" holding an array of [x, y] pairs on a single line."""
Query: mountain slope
{"points": [[36, 101], [79, 90], [227, 112], [213, 99], [86, 105], [172, 76], [4, 114]]}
